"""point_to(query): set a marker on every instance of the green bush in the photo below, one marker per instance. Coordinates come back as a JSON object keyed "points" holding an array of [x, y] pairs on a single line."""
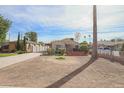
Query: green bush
{"points": [[84, 48], [59, 52], [60, 58]]}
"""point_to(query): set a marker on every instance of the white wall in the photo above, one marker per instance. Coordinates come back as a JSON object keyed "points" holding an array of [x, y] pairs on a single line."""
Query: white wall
{"points": [[115, 53]]}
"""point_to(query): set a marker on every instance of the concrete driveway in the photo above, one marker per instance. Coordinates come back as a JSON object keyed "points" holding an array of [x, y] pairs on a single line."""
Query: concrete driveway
{"points": [[6, 61]]}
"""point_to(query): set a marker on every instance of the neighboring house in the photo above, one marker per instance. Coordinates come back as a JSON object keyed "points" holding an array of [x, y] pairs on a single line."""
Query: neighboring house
{"points": [[31, 47], [34, 47], [8, 46], [68, 44], [109, 47], [117, 45]]}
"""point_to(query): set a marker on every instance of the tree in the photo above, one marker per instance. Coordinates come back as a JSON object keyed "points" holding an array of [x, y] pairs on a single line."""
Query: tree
{"points": [[84, 43], [32, 36], [85, 38], [89, 36], [4, 27], [42, 43], [24, 43], [18, 42], [89, 39], [77, 36], [84, 46], [118, 39], [113, 40]]}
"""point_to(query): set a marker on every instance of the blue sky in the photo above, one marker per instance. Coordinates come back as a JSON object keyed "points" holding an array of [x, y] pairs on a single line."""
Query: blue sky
{"points": [[58, 22]]}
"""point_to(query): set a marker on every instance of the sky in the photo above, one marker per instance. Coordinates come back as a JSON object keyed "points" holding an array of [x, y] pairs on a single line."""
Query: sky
{"points": [[58, 22]]}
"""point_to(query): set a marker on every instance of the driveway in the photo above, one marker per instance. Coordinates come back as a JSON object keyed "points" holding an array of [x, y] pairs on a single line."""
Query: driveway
{"points": [[6, 61], [46, 71]]}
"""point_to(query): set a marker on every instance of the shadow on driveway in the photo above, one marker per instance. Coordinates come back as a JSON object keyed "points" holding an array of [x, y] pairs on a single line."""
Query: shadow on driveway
{"points": [[68, 77]]}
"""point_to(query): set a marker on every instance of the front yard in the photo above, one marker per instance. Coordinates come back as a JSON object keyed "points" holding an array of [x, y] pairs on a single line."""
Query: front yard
{"points": [[7, 54], [46, 70]]}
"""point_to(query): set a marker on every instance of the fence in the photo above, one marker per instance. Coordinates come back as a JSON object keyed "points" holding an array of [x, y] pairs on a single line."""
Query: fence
{"points": [[111, 55]]}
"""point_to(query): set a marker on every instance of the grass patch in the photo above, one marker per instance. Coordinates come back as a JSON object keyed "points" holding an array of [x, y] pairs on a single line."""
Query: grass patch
{"points": [[60, 58], [6, 55]]}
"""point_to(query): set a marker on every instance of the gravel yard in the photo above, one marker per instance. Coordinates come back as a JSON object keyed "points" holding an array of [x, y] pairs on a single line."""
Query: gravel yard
{"points": [[39, 72], [46, 70]]}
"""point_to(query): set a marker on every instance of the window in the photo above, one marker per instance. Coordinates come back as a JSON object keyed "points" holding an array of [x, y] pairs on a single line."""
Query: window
{"points": [[6, 47], [58, 46]]}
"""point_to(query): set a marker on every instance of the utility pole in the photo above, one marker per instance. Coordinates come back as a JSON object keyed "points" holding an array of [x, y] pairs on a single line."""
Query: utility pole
{"points": [[94, 51]]}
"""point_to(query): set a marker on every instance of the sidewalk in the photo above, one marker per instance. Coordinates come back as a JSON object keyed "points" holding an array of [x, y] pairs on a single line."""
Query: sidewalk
{"points": [[6, 61], [101, 74]]}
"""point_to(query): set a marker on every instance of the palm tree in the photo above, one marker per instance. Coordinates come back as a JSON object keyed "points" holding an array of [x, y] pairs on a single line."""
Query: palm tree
{"points": [[89, 39], [85, 38], [94, 52]]}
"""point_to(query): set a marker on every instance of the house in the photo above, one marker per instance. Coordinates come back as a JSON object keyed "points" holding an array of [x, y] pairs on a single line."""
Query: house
{"points": [[117, 45], [68, 44], [35, 47], [110, 47], [31, 47], [8, 46]]}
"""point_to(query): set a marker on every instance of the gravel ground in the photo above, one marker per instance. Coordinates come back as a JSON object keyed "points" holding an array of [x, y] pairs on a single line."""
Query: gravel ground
{"points": [[46, 70], [101, 74], [39, 72]]}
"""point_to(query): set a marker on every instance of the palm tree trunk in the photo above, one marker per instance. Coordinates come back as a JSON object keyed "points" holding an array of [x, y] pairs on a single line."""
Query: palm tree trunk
{"points": [[94, 52]]}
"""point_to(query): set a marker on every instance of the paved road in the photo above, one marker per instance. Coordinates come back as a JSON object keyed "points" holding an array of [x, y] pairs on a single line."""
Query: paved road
{"points": [[6, 61]]}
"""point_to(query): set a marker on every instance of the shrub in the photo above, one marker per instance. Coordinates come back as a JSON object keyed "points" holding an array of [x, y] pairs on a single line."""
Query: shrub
{"points": [[84, 48], [12, 51], [59, 52], [60, 58]]}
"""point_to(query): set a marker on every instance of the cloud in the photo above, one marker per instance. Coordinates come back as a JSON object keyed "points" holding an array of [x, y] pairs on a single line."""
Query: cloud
{"points": [[68, 16], [109, 16], [63, 21]]}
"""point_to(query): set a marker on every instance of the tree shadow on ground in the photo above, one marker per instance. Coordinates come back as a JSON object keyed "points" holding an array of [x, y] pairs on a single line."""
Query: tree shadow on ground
{"points": [[68, 77]]}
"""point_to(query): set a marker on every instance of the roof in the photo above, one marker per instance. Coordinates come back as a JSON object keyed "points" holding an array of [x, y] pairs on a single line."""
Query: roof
{"points": [[7, 43], [110, 43], [66, 41]]}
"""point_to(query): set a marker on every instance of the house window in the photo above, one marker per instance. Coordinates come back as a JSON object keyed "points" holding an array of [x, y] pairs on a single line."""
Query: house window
{"points": [[5, 47]]}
